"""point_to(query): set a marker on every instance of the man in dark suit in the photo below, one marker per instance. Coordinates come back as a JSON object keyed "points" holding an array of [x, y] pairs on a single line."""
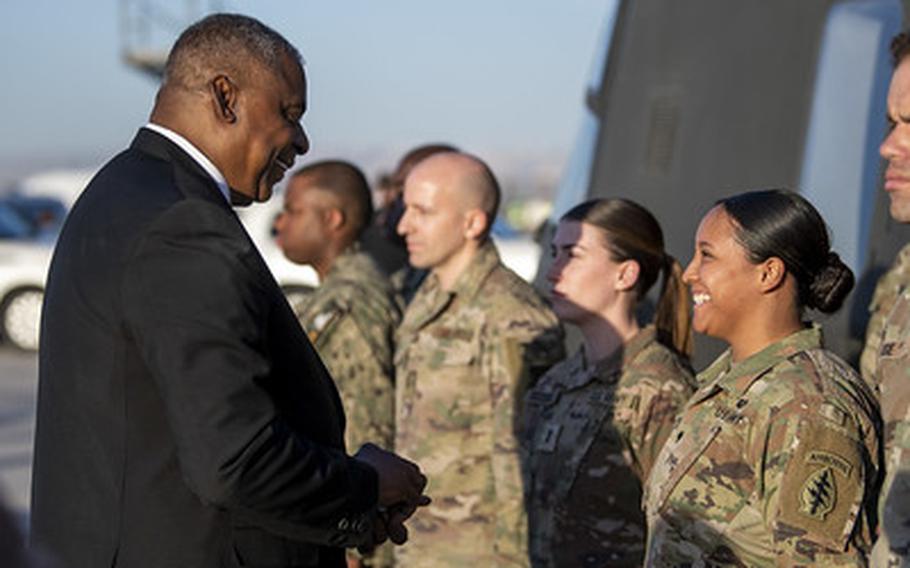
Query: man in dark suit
{"points": [[183, 417]]}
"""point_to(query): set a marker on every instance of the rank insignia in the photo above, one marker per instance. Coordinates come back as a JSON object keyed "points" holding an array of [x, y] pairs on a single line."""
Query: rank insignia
{"points": [[546, 442], [320, 323], [819, 494], [891, 349]]}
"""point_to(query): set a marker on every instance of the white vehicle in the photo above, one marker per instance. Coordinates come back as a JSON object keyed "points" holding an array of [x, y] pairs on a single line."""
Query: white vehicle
{"points": [[23, 270]]}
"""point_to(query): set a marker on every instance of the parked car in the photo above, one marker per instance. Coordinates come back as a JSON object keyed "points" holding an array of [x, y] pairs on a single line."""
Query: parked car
{"points": [[44, 214], [24, 260]]}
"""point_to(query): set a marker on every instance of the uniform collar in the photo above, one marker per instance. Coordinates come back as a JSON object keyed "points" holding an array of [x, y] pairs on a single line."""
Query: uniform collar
{"points": [[610, 368], [431, 300], [739, 377], [349, 258], [469, 282]]}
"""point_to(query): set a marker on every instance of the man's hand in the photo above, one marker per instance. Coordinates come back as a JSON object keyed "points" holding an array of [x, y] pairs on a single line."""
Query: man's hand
{"points": [[390, 525], [396, 516], [400, 481]]}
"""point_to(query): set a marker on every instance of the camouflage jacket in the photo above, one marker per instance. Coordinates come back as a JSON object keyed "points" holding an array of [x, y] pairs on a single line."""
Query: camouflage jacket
{"points": [[889, 345], [464, 358], [774, 461], [888, 289], [351, 319], [592, 434]]}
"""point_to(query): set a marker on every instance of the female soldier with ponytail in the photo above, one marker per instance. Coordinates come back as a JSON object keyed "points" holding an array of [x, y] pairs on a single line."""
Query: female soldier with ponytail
{"points": [[775, 459], [594, 423]]}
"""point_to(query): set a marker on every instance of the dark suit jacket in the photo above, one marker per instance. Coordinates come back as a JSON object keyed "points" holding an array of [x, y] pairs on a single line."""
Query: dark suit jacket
{"points": [[184, 419]]}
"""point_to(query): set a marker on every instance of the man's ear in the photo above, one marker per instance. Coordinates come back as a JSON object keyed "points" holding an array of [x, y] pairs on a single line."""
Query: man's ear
{"points": [[771, 274], [627, 275], [476, 223], [224, 98], [335, 218]]}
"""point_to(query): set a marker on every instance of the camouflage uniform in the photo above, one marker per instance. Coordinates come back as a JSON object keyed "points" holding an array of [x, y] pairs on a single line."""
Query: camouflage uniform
{"points": [[887, 290], [351, 318], [774, 461], [464, 358], [593, 433], [888, 362]]}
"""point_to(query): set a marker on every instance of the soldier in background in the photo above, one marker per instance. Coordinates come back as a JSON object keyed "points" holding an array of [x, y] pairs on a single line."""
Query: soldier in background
{"points": [[473, 339], [887, 291], [596, 421], [352, 315], [382, 241], [886, 358]]}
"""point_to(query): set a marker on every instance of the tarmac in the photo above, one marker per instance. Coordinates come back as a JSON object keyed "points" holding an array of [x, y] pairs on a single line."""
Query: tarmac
{"points": [[18, 395]]}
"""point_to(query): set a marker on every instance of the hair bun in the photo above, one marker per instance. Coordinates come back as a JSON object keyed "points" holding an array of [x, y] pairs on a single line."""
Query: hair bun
{"points": [[831, 284]]}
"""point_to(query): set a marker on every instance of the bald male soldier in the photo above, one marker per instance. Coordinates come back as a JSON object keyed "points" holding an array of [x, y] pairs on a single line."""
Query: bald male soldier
{"points": [[351, 317], [886, 358], [472, 340]]}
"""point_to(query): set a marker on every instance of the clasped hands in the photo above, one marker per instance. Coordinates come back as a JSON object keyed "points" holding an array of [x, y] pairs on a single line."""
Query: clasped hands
{"points": [[401, 486]]}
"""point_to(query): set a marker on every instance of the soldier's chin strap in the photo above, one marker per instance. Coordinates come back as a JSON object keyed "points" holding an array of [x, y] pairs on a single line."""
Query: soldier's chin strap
{"points": [[241, 199]]}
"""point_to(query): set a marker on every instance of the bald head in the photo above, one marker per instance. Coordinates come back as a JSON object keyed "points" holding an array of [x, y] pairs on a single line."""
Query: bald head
{"points": [[450, 201], [467, 182]]}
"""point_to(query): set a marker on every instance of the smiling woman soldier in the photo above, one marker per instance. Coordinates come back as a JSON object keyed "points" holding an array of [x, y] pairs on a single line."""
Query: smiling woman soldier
{"points": [[775, 459]]}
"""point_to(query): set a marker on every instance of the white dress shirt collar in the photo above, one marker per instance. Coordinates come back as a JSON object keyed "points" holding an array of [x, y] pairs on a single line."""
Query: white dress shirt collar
{"points": [[197, 155]]}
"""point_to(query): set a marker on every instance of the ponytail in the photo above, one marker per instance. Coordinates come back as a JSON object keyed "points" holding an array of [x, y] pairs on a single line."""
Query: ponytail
{"points": [[633, 233], [672, 318]]}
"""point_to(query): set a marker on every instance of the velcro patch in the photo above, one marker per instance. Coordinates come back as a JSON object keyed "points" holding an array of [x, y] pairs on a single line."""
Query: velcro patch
{"points": [[888, 349], [819, 494], [831, 460], [822, 485], [549, 435]]}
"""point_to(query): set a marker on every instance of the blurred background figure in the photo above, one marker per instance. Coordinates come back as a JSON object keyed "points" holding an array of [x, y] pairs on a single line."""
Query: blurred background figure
{"points": [[472, 341], [595, 422], [351, 317]]}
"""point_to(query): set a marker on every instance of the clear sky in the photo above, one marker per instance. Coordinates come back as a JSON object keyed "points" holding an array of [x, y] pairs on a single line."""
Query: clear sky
{"points": [[501, 78]]}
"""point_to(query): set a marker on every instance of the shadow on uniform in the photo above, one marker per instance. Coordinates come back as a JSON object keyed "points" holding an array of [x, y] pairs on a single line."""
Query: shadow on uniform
{"points": [[721, 555], [895, 524], [858, 315], [558, 480]]}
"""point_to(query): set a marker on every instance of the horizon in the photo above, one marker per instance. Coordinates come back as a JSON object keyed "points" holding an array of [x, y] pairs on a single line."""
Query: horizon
{"points": [[504, 81]]}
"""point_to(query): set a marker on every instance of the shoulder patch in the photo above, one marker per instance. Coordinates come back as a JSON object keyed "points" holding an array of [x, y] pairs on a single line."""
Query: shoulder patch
{"points": [[321, 323], [819, 494], [822, 487], [831, 460]]}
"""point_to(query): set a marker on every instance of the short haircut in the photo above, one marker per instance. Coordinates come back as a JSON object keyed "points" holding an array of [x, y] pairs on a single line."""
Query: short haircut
{"points": [[900, 47], [417, 155], [230, 43], [491, 194], [348, 185], [473, 181]]}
